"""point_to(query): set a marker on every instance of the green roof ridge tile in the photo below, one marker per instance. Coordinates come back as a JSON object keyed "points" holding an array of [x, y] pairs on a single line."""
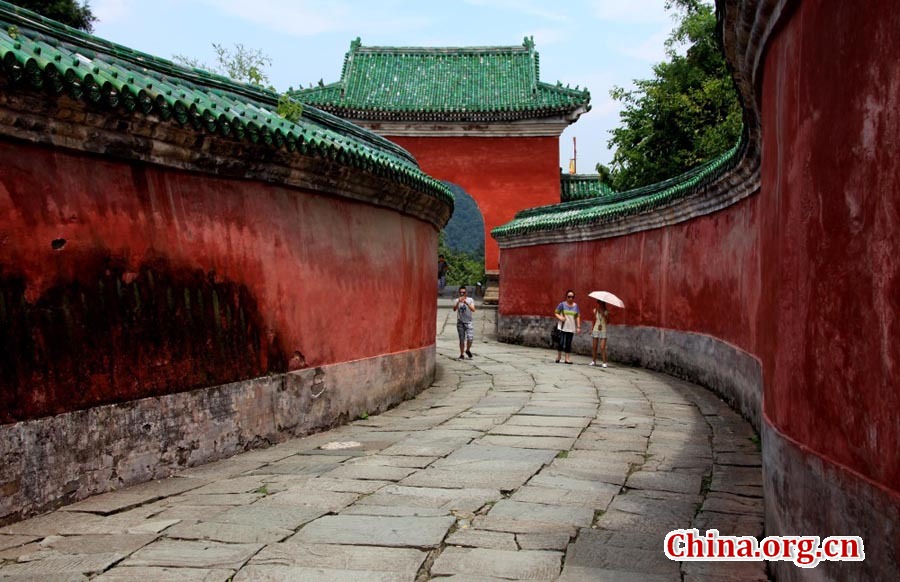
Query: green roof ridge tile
{"points": [[607, 208], [38, 51], [455, 81]]}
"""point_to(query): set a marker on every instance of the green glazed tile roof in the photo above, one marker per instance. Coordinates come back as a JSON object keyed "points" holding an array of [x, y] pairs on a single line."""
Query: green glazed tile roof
{"points": [[44, 54], [618, 205], [444, 83], [582, 187]]}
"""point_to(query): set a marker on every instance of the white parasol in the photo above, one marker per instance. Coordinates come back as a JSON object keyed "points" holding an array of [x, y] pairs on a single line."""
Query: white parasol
{"points": [[607, 297]]}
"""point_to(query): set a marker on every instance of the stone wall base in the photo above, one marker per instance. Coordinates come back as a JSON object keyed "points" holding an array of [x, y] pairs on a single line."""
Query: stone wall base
{"points": [[732, 373], [49, 462], [807, 495]]}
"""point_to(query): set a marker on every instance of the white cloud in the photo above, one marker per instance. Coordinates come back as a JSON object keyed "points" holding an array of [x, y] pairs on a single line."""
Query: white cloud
{"points": [[314, 17], [630, 10], [521, 7]]}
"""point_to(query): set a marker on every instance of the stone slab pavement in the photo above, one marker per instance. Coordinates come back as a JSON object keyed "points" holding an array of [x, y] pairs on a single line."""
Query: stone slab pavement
{"points": [[509, 467]]}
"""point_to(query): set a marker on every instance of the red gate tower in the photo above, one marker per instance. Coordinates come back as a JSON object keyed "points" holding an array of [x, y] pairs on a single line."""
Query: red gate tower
{"points": [[478, 117]]}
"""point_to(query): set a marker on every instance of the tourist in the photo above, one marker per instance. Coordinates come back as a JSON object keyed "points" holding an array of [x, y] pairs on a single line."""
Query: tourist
{"points": [[443, 267], [464, 308], [569, 317], [598, 333]]}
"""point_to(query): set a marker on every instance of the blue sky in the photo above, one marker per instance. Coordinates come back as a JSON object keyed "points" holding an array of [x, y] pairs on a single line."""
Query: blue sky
{"points": [[592, 43]]}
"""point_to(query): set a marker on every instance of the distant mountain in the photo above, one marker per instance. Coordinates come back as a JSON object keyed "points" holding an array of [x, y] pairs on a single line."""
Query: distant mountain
{"points": [[465, 231]]}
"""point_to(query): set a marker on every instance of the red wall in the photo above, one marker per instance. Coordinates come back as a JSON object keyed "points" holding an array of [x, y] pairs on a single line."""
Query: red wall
{"points": [[503, 174], [831, 185], [170, 280], [806, 274]]}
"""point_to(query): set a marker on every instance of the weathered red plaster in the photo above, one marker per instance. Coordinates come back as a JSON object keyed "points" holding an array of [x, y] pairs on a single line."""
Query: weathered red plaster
{"points": [[805, 274], [831, 186], [326, 278], [503, 174]]}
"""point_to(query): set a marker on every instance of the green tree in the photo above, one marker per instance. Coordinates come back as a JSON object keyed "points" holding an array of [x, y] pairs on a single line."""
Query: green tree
{"points": [[686, 114], [246, 66], [465, 268], [71, 12]]}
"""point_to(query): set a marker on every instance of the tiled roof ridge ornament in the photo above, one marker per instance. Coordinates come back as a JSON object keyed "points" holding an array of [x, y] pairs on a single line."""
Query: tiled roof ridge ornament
{"points": [[403, 84]]}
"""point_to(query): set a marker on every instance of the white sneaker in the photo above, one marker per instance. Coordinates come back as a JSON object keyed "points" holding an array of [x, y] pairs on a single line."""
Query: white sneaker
{"points": [[603, 364], [592, 364]]}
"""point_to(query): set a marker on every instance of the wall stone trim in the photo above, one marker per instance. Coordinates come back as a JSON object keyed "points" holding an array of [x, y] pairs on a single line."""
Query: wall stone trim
{"points": [[730, 372], [57, 460], [807, 495]]}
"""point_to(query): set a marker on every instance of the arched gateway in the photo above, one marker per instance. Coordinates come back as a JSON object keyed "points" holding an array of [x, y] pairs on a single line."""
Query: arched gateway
{"points": [[476, 116]]}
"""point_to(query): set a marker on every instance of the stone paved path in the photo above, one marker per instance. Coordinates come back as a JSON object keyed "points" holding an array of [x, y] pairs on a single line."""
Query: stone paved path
{"points": [[510, 467]]}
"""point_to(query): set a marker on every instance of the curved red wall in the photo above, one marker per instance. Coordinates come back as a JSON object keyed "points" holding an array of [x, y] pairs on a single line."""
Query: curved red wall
{"points": [[831, 187], [503, 174], [167, 280], [804, 275]]}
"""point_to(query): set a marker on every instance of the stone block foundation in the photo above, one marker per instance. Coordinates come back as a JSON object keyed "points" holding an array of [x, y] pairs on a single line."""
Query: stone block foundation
{"points": [[53, 461]]}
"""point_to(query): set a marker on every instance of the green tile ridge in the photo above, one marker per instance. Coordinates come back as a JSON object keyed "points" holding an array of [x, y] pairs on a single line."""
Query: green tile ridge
{"points": [[595, 211], [44, 54], [402, 82], [582, 187]]}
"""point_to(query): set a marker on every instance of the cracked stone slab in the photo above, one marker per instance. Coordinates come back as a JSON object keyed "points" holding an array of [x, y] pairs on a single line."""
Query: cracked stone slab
{"points": [[582, 574], [361, 486], [373, 472], [412, 532], [530, 442], [122, 544], [538, 512], [519, 526], [639, 513], [519, 565], [11, 541], [469, 454], [425, 450], [192, 512], [613, 473], [432, 497], [581, 412], [404, 561], [61, 565], [75, 523], [394, 461], [623, 552], [492, 540], [232, 533], [544, 541], [665, 481], [593, 500], [116, 501], [193, 554], [481, 478], [326, 500], [302, 465], [225, 486], [727, 503], [730, 524], [270, 515], [144, 574], [536, 431], [303, 574], [224, 499], [395, 511]]}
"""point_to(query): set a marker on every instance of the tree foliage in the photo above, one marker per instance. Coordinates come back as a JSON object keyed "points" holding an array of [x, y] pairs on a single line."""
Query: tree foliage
{"points": [[465, 268], [686, 114], [70, 12], [246, 66]]}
